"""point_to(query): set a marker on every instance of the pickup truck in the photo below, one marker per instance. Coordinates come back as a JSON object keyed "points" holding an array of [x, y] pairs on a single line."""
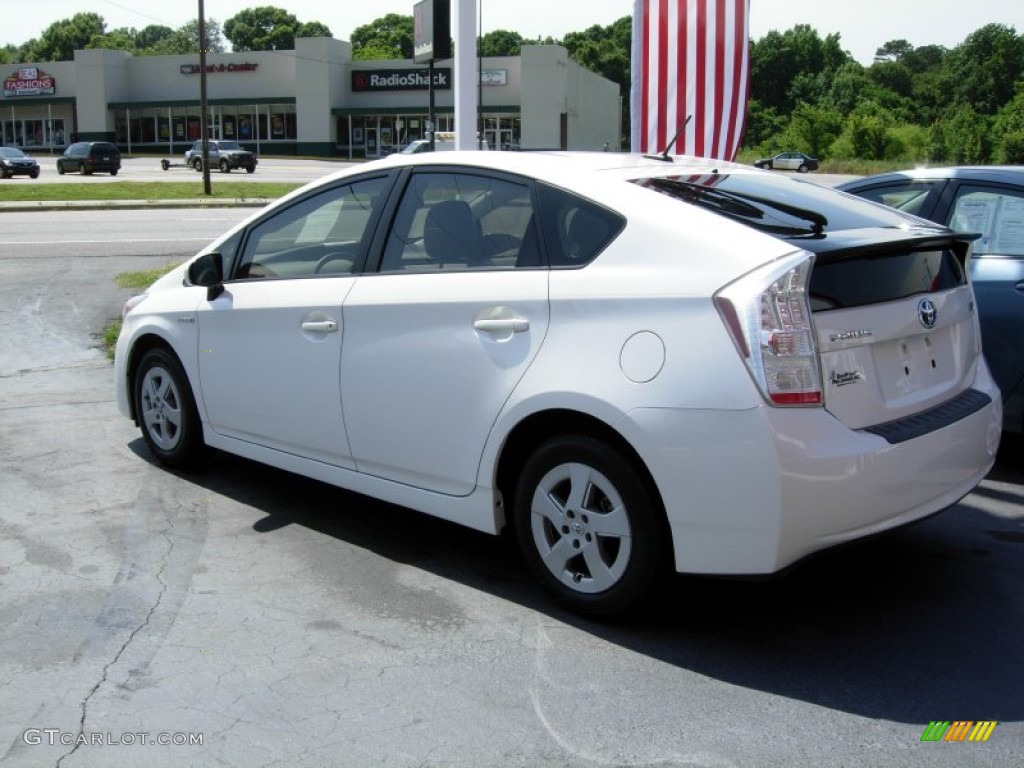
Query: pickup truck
{"points": [[225, 155]]}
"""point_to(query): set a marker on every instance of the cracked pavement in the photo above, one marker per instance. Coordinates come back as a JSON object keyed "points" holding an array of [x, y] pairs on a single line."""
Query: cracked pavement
{"points": [[294, 624]]}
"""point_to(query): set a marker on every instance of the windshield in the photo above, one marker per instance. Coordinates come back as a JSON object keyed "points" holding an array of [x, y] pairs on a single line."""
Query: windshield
{"points": [[229, 145], [11, 152]]}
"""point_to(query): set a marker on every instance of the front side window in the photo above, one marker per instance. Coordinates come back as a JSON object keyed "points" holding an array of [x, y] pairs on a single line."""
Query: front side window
{"points": [[325, 234], [460, 221], [996, 213]]}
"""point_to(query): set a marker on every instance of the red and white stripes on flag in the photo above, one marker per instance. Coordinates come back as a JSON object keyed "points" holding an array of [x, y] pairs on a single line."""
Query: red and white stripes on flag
{"points": [[690, 58]]}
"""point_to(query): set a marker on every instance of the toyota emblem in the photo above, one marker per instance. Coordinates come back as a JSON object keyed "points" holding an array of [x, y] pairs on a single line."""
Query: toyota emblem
{"points": [[927, 313]]}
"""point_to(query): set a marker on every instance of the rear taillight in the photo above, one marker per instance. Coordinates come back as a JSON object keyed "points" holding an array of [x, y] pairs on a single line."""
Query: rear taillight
{"points": [[768, 316]]}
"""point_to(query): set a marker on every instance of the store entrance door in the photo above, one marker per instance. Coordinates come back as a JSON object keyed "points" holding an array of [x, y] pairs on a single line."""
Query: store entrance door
{"points": [[372, 148]]}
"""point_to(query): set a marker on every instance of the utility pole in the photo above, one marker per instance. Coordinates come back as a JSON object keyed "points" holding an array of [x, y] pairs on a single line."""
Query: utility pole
{"points": [[204, 113]]}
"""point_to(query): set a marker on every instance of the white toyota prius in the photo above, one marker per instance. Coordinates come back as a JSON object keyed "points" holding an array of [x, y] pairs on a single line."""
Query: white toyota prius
{"points": [[632, 362]]}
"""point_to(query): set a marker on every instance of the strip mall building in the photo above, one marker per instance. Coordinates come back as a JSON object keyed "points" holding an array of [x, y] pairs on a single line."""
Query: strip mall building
{"points": [[314, 100]]}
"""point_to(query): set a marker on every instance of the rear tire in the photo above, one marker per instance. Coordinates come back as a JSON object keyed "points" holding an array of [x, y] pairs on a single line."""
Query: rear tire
{"points": [[225, 166], [114, 172], [166, 410], [588, 526], [803, 168]]}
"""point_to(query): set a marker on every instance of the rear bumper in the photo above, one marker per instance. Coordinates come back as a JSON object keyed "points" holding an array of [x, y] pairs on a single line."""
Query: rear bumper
{"points": [[750, 492]]}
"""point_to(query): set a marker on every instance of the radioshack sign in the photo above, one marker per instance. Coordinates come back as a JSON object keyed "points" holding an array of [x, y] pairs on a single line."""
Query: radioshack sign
{"points": [[400, 79], [29, 81]]}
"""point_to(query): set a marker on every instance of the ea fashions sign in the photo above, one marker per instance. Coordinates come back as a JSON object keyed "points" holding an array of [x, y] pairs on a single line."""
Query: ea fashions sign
{"points": [[29, 81]]}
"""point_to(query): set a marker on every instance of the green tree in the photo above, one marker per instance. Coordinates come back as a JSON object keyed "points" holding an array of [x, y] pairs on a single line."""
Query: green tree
{"points": [[812, 130], [62, 38], [314, 29], [963, 137], [894, 50], [186, 40], [982, 71], [120, 39], [151, 36], [389, 37], [268, 28], [501, 42], [794, 66], [1008, 129]]}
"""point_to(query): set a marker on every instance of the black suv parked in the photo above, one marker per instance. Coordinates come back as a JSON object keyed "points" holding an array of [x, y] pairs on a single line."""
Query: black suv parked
{"points": [[89, 157], [226, 155]]}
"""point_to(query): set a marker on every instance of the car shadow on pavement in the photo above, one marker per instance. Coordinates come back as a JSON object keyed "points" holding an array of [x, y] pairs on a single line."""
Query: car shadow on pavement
{"points": [[920, 624]]}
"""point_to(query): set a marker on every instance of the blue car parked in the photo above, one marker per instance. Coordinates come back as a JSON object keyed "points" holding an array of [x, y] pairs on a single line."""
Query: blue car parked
{"points": [[988, 200]]}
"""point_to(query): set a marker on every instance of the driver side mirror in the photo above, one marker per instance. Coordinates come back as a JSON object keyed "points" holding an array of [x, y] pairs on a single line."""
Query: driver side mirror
{"points": [[208, 271]]}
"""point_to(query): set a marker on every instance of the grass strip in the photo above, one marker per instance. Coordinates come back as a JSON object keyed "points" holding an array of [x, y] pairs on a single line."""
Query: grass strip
{"points": [[136, 281], [144, 190]]}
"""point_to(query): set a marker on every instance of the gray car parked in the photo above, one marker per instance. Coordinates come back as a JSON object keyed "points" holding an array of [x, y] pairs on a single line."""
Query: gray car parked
{"points": [[988, 200]]}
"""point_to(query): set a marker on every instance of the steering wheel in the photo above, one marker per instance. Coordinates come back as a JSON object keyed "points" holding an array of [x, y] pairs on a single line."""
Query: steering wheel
{"points": [[325, 260]]}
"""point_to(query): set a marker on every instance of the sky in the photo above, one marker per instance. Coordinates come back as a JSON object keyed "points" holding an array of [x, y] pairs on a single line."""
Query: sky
{"points": [[863, 25]]}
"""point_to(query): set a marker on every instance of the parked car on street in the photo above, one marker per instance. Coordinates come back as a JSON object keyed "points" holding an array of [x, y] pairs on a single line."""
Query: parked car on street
{"points": [[88, 157], [788, 161], [14, 162], [224, 155], [988, 200], [444, 141], [634, 365]]}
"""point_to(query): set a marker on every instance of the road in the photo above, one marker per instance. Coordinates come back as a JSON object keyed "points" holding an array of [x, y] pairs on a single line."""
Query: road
{"points": [[288, 623], [276, 169]]}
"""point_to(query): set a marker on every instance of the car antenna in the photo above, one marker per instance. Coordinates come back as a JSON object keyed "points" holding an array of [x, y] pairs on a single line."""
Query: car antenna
{"points": [[664, 156]]}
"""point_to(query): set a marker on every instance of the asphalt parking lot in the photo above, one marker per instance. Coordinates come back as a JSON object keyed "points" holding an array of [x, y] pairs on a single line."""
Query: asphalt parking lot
{"points": [[282, 622]]}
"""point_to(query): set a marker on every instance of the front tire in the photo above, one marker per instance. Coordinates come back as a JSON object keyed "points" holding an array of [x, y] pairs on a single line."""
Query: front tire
{"points": [[803, 168], [198, 164], [225, 166], [251, 168], [60, 169], [166, 410], [588, 526]]}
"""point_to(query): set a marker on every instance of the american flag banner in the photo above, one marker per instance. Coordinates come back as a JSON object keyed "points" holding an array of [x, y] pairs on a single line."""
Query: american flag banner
{"points": [[691, 58]]}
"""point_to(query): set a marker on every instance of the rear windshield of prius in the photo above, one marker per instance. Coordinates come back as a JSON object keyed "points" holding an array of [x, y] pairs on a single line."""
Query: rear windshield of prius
{"points": [[804, 214]]}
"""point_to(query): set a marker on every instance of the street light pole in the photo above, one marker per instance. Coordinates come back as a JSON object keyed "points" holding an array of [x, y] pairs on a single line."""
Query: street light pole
{"points": [[203, 110]]}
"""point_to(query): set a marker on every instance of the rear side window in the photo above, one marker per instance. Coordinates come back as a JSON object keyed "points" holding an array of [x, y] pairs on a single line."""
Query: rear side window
{"points": [[997, 214], [462, 221], [575, 229]]}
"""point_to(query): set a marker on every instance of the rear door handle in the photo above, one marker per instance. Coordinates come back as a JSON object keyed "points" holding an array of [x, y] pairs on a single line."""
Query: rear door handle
{"points": [[502, 325], [320, 326]]}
